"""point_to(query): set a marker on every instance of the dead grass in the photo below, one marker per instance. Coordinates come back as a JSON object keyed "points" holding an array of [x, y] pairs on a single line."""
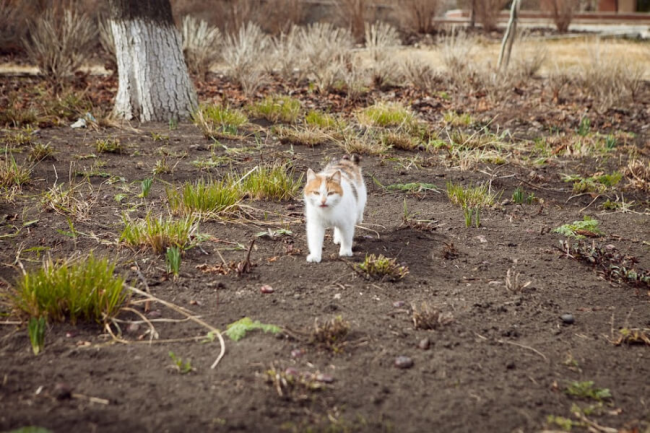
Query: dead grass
{"points": [[427, 317], [638, 174], [300, 136], [330, 335]]}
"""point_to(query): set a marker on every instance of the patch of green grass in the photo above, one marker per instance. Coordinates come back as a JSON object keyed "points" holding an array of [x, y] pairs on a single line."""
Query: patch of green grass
{"points": [[161, 167], [587, 391], [183, 367], [275, 182], [318, 119], [84, 289], [173, 260], [159, 137], [109, 145], [276, 108], [41, 151], [519, 196], [212, 161], [219, 120], [206, 198], [579, 229], [19, 138], [36, 330], [470, 197], [563, 423], [158, 234], [472, 216], [585, 127], [382, 267], [386, 115], [454, 119], [238, 330], [597, 183], [12, 174], [414, 187], [145, 187]]}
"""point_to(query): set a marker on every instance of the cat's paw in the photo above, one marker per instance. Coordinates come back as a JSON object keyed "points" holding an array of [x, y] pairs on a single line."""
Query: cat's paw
{"points": [[313, 258], [337, 240], [346, 253]]}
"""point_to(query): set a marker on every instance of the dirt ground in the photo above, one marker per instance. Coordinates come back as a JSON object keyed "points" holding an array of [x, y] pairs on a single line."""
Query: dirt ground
{"points": [[502, 365]]}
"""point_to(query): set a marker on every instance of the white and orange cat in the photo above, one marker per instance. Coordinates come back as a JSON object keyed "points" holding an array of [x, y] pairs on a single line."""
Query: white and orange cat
{"points": [[335, 197]]}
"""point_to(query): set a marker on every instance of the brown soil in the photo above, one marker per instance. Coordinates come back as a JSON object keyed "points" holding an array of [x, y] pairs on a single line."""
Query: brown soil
{"points": [[502, 365]]}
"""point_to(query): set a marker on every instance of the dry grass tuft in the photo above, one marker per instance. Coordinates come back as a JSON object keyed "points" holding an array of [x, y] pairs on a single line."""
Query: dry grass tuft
{"points": [[331, 335], [201, 43], [430, 318], [638, 174]]}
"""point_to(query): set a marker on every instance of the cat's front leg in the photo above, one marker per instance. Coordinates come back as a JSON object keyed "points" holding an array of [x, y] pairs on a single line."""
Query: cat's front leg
{"points": [[315, 237], [337, 236], [346, 236]]}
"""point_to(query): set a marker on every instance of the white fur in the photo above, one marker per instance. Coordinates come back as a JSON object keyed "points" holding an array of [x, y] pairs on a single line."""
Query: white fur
{"points": [[342, 213]]}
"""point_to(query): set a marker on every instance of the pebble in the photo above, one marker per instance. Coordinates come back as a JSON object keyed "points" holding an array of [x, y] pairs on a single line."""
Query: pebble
{"points": [[399, 304], [266, 289], [403, 362], [297, 353], [567, 319], [132, 328], [325, 378], [290, 371], [62, 391], [424, 344]]}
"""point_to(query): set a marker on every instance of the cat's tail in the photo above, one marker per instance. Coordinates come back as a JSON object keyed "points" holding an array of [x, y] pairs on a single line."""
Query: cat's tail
{"points": [[354, 158]]}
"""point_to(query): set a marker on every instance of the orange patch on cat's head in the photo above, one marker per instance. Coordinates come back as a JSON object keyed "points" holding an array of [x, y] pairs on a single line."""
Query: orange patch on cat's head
{"points": [[332, 182]]}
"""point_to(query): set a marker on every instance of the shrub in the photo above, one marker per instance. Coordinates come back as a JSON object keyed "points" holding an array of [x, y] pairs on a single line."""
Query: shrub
{"points": [[243, 52], [201, 44], [280, 16], [417, 15], [487, 12], [60, 42], [354, 14], [562, 12], [325, 48], [285, 56], [382, 41], [11, 28]]}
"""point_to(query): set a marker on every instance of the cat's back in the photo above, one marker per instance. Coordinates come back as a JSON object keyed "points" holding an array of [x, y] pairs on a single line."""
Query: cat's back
{"points": [[350, 170]]}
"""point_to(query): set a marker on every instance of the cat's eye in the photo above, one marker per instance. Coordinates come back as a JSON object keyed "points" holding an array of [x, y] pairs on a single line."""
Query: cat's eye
{"points": [[315, 192], [331, 193]]}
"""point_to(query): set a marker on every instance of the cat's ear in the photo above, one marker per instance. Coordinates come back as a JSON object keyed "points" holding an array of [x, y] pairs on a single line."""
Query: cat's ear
{"points": [[310, 175], [336, 177]]}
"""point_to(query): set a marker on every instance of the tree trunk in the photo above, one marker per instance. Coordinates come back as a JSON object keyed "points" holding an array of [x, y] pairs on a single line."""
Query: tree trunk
{"points": [[154, 84]]}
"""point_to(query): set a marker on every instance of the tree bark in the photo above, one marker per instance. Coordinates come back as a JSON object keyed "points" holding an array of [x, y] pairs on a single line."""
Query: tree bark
{"points": [[154, 84]]}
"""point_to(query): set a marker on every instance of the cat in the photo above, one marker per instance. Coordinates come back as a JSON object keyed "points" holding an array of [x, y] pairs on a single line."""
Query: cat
{"points": [[335, 197]]}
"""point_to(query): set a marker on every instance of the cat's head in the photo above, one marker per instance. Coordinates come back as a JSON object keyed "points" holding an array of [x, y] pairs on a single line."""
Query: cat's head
{"points": [[323, 191]]}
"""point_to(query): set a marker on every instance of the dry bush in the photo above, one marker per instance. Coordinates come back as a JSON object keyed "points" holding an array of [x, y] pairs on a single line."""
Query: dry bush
{"points": [[354, 76], [354, 14], [638, 174], [420, 73], [457, 56], [59, 42], [428, 317], [487, 12], [528, 63], [561, 12], [285, 56], [11, 28], [325, 49], [201, 43], [417, 15], [558, 78], [243, 53], [382, 42], [603, 78], [106, 37], [280, 16]]}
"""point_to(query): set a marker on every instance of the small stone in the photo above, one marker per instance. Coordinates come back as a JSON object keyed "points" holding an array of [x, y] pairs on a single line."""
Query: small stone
{"points": [[325, 378], [132, 328], [154, 314], [403, 362], [568, 319], [399, 304], [62, 391], [510, 365], [297, 353], [266, 289], [424, 344], [290, 371]]}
